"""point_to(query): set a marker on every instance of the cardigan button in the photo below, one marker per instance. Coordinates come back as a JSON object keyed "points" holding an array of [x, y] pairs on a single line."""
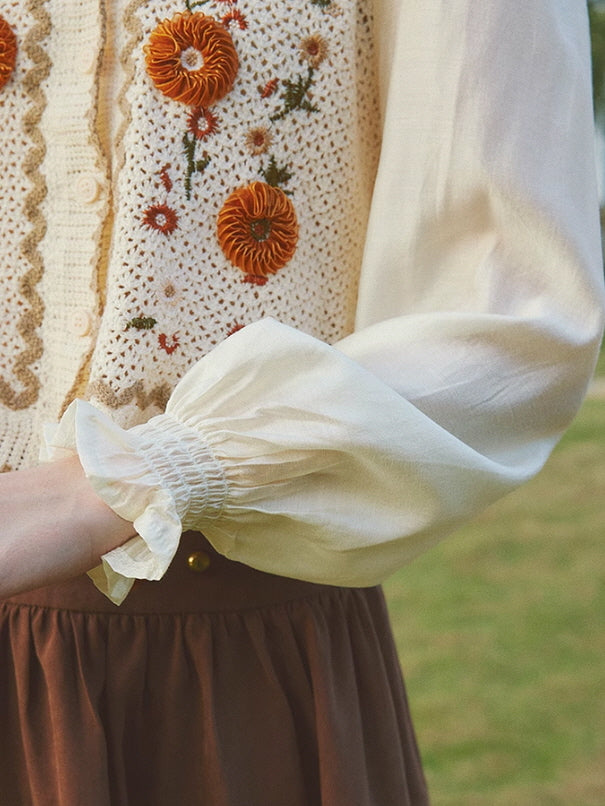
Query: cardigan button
{"points": [[198, 561], [87, 188], [81, 323], [87, 61]]}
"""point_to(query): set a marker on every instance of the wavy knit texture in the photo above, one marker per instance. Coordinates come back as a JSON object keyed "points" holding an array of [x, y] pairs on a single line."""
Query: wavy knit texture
{"points": [[290, 121], [22, 151]]}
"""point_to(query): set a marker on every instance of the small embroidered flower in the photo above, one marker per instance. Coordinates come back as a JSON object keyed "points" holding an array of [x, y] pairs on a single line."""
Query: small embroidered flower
{"points": [[258, 140], [257, 230], [269, 88], [191, 58], [165, 178], [166, 295], [8, 51], [161, 218], [236, 16], [202, 123], [314, 49], [168, 346]]}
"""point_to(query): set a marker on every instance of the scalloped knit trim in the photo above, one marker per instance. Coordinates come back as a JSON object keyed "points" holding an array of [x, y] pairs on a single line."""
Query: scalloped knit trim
{"points": [[135, 393], [31, 319]]}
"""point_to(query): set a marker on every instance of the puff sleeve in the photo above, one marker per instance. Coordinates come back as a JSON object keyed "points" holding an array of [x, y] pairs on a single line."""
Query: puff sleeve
{"points": [[479, 317]]}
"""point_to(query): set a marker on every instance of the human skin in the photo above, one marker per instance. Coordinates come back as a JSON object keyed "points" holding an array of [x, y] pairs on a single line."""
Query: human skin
{"points": [[53, 526]]}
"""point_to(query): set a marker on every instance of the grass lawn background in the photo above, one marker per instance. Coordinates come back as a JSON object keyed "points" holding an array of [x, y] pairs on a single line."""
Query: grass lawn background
{"points": [[501, 633]]}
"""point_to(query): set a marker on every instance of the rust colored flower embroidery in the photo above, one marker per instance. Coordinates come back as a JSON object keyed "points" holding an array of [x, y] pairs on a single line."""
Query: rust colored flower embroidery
{"points": [[169, 343], [257, 230], [161, 218], [8, 51], [191, 58], [236, 16], [202, 123]]}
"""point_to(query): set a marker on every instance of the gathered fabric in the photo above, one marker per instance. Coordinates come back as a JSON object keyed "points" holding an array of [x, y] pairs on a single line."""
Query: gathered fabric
{"points": [[218, 685], [326, 269]]}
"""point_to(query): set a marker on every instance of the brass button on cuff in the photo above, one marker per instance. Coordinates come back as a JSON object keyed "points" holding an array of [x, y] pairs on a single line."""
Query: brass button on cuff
{"points": [[198, 561]]}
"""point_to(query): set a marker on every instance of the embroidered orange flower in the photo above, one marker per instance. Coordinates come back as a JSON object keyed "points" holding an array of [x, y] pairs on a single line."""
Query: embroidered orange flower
{"points": [[8, 51], [202, 123], [161, 218], [192, 59], [257, 230], [236, 16]]}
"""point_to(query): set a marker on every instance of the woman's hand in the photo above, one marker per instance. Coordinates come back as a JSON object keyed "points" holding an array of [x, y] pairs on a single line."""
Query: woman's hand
{"points": [[52, 526]]}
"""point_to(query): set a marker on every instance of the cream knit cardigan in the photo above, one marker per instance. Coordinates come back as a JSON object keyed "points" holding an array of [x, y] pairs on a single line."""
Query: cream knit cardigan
{"points": [[392, 322]]}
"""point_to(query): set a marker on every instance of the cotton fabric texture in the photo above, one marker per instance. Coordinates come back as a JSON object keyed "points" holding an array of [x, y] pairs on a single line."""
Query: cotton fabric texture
{"points": [[228, 687], [435, 329]]}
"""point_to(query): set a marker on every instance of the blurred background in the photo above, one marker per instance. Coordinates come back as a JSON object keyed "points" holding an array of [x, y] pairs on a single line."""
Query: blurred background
{"points": [[501, 628]]}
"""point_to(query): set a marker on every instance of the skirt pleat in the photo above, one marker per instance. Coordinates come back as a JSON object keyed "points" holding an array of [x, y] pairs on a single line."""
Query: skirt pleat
{"points": [[279, 693]]}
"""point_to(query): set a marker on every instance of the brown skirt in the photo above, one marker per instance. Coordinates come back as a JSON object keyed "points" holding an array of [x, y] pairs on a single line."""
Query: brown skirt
{"points": [[218, 686]]}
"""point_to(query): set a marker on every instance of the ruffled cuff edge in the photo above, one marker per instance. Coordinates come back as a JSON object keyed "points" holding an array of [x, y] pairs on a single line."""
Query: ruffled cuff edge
{"points": [[122, 478]]}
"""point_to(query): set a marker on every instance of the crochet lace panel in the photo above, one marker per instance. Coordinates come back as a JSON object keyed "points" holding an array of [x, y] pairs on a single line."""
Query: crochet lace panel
{"points": [[300, 119]]}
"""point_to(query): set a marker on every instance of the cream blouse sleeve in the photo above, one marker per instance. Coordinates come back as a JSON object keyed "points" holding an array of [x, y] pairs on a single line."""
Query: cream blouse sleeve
{"points": [[479, 317]]}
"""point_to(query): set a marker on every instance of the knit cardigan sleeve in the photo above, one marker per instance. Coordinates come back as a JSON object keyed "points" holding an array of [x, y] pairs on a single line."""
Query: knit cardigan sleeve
{"points": [[479, 316]]}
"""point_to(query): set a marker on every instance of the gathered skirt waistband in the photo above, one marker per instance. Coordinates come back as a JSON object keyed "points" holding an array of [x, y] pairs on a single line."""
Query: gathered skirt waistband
{"points": [[198, 580]]}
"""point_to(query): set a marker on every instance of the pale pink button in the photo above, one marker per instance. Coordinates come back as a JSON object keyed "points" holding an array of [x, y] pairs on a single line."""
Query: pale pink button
{"points": [[87, 188], [82, 323]]}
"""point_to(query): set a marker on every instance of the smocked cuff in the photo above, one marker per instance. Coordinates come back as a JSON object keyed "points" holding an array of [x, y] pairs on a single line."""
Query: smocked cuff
{"points": [[160, 476]]}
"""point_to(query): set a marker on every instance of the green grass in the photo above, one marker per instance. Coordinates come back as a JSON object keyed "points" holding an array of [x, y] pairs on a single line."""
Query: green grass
{"points": [[600, 368], [501, 633]]}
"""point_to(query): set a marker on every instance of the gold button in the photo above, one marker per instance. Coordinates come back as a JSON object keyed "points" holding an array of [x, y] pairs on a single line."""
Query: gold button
{"points": [[198, 561]]}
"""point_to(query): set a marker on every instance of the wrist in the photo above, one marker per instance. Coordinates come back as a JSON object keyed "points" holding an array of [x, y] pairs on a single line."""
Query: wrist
{"points": [[53, 526]]}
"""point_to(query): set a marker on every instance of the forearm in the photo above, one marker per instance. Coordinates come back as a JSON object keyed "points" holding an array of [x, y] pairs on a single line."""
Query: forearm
{"points": [[53, 526]]}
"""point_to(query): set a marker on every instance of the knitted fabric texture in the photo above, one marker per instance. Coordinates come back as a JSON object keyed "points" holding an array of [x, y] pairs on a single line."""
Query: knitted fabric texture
{"points": [[119, 278], [300, 117]]}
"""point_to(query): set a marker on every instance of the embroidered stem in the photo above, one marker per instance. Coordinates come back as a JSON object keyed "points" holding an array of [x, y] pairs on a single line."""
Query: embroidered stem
{"points": [[193, 165], [275, 175], [190, 6], [294, 95]]}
